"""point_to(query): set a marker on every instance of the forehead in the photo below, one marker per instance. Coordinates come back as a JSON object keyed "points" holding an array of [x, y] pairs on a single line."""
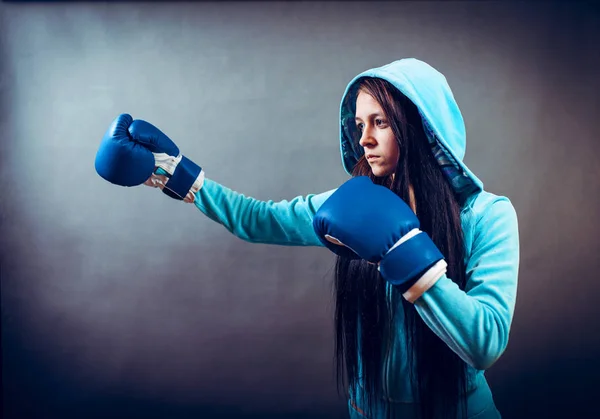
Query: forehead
{"points": [[366, 105]]}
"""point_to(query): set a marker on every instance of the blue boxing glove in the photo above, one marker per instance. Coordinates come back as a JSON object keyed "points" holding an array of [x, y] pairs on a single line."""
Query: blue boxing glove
{"points": [[368, 221], [135, 152]]}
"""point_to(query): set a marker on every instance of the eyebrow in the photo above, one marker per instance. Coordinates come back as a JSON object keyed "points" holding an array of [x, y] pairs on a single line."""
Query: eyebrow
{"points": [[356, 118]]}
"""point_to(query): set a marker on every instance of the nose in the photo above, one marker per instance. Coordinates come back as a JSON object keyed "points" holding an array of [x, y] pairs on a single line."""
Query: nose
{"points": [[366, 139]]}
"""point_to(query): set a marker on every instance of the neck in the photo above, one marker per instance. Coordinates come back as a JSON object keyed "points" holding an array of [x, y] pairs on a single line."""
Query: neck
{"points": [[413, 201], [411, 194]]}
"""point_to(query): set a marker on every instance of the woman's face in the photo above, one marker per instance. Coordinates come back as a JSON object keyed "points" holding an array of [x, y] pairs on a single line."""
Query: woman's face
{"points": [[377, 139]]}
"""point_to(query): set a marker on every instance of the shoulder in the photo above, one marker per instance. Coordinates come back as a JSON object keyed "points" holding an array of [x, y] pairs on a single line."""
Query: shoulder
{"points": [[487, 206], [488, 220]]}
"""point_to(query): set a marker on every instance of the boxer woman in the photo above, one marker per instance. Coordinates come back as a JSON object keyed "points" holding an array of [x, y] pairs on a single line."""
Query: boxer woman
{"points": [[427, 260]]}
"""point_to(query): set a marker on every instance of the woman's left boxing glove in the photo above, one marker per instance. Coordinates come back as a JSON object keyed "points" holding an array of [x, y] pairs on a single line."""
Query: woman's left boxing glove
{"points": [[132, 150]]}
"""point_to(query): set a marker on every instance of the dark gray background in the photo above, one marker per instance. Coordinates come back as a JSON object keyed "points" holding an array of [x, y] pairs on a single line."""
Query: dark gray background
{"points": [[123, 302]]}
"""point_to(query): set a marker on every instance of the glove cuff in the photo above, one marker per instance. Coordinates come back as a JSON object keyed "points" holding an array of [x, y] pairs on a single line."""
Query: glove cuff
{"points": [[187, 174], [425, 282], [409, 259], [183, 175]]}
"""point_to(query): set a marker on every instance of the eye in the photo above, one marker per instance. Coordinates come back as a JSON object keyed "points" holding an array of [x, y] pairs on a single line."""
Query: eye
{"points": [[379, 122], [360, 126]]}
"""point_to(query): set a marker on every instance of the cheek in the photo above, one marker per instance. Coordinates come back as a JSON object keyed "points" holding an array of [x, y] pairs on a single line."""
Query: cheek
{"points": [[392, 149]]}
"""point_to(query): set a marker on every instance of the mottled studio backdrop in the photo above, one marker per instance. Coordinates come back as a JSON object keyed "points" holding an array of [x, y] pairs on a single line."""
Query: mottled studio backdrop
{"points": [[122, 302]]}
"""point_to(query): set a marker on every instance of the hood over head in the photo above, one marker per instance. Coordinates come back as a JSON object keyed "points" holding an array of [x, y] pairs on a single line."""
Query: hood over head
{"points": [[442, 121]]}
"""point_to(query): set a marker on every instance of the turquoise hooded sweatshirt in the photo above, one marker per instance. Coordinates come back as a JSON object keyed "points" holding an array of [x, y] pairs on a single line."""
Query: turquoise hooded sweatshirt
{"points": [[474, 323]]}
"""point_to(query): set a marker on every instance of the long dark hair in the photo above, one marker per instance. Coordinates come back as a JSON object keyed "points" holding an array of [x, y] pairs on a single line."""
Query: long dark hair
{"points": [[364, 315]]}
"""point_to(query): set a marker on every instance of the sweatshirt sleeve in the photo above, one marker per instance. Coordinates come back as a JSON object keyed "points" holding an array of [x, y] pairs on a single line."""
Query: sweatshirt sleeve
{"points": [[475, 323], [285, 222]]}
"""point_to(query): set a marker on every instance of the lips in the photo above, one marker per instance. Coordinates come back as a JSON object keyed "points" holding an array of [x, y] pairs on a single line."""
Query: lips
{"points": [[372, 157]]}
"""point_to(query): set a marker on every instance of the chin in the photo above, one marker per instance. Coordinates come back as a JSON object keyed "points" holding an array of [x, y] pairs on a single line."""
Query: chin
{"points": [[381, 171]]}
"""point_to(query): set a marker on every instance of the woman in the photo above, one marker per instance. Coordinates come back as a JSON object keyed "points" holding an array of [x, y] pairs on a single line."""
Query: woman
{"points": [[409, 348]]}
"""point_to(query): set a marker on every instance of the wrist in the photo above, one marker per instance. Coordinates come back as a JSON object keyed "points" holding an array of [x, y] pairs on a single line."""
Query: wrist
{"points": [[425, 282], [183, 177]]}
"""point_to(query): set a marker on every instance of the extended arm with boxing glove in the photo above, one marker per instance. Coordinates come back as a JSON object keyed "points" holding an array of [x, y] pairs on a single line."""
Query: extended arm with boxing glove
{"points": [[132, 151]]}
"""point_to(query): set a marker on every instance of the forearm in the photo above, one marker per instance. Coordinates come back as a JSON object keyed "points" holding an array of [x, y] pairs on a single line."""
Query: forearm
{"points": [[475, 330], [284, 222], [475, 322]]}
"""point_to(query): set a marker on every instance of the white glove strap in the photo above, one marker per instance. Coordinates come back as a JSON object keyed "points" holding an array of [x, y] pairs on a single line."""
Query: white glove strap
{"points": [[198, 183], [166, 162], [427, 281]]}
